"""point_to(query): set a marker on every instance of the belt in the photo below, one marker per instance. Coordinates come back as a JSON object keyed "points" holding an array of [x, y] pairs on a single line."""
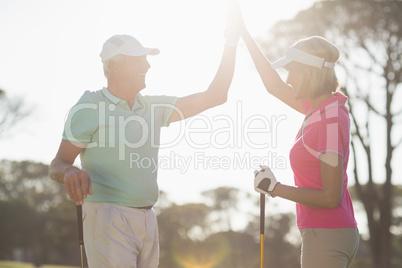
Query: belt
{"points": [[148, 207]]}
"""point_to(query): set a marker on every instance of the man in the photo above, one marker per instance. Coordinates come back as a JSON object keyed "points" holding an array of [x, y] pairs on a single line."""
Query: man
{"points": [[109, 127]]}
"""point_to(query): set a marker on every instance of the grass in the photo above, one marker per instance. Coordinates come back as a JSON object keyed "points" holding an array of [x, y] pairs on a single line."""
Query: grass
{"points": [[16, 264]]}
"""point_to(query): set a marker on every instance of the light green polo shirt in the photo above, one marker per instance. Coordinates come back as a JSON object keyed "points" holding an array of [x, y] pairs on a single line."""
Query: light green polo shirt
{"points": [[121, 145]]}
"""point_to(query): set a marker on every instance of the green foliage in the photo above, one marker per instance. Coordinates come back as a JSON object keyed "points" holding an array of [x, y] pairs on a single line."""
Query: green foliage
{"points": [[369, 36], [24, 219], [12, 111], [29, 181], [15, 264], [189, 236], [35, 214]]}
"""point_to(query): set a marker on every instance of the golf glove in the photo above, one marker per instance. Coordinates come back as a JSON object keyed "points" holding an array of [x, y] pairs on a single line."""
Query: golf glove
{"points": [[264, 181]]}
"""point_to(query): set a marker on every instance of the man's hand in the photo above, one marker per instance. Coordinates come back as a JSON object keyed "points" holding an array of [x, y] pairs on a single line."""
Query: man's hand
{"points": [[231, 32], [77, 184], [264, 181], [234, 19]]}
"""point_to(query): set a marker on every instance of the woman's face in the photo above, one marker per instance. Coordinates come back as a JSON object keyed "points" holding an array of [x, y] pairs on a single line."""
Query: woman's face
{"points": [[298, 81]]}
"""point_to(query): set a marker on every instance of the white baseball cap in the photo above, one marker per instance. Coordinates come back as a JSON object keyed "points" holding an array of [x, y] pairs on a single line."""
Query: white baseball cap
{"points": [[294, 54], [125, 45]]}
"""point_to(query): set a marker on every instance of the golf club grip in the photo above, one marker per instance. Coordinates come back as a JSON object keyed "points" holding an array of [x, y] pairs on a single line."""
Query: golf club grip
{"points": [[80, 228], [262, 213]]}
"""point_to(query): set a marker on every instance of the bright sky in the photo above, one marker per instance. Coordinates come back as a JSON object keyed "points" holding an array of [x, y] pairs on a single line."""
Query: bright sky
{"points": [[49, 56]]}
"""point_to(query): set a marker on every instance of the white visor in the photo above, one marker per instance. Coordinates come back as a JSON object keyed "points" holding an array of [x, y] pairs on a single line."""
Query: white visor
{"points": [[294, 54]]}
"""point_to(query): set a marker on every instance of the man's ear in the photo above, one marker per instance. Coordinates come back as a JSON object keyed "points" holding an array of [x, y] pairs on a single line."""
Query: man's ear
{"points": [[113, 65]]}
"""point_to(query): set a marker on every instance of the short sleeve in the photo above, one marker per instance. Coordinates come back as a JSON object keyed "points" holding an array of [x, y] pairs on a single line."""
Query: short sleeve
{"points": [[168, 110], [163, 107], [327, 132], [330, 138], [82, 121]]}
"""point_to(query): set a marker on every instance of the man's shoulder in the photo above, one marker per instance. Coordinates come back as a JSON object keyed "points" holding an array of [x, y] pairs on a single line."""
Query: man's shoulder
{"points": [[91, 97], [156, 99]]}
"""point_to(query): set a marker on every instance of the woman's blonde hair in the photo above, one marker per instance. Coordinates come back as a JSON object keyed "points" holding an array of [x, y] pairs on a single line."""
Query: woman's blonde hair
{"points": [[324, 80]]}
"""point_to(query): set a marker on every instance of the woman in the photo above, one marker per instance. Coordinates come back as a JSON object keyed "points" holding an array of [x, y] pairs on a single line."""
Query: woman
{"points": [[319, 156]]}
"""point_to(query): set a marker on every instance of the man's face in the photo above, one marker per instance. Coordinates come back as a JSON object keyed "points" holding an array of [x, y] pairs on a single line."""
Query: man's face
{"points": [[134, 69]]}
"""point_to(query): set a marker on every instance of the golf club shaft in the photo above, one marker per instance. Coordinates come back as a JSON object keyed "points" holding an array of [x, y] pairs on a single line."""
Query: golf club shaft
{"points": [[262, 250], [262, 227], [80, 234], [82, 255]]}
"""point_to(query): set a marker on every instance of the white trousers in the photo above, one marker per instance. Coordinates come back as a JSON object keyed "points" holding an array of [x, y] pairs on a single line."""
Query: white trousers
{"points": [[117, 236], [329, 248]]}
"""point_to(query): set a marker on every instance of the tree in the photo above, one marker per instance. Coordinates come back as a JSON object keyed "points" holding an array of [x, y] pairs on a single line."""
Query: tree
{"points": [[19, 224], [369, 35], [278, 251], [12, 111], [179, 226], [36, 215], [29, 181], [224, 202]]}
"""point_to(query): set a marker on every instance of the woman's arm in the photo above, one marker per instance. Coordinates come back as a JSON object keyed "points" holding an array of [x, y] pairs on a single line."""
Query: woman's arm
{"points": [[329, 196], [270, 78]]}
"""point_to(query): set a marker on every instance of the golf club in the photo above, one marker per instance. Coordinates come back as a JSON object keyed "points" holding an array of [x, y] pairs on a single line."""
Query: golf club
{"points": [[80, 234], [262, 227]]}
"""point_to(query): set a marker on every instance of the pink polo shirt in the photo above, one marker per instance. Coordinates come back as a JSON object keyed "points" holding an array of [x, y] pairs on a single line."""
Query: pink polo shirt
{"points": [[326, 129]]}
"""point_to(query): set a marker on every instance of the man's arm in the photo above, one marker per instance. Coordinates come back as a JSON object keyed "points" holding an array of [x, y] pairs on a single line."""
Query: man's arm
{"points": [[216, 94], [61, 170]]}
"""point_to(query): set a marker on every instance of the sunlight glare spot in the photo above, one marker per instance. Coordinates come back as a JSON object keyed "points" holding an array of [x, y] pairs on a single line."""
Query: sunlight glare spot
{"points": [[200, 254]]}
